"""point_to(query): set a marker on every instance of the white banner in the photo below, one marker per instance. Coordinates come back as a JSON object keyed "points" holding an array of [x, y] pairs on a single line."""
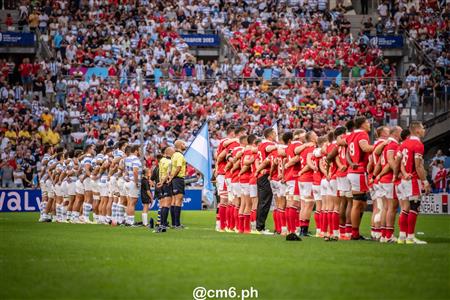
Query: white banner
{"points": [[434, 204]]}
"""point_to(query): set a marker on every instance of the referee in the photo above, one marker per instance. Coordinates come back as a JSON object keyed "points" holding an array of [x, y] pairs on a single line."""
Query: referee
{"points": [[146, 196], [178, 172]]}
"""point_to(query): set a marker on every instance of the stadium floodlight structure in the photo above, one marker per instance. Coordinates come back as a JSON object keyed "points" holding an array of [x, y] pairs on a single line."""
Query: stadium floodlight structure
{"points": [[141, 115]]}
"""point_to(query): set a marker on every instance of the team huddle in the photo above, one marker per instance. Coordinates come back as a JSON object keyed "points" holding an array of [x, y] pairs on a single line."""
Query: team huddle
{"points": [[333, 174], [108, 181]]}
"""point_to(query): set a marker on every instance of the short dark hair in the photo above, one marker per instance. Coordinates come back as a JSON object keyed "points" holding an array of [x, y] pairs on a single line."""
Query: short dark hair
{"points": [[350, 125], [340, 131], [287, 137], [330, 136], [414, 124], [251, 139], [134, 148], [359, 121], [239, 130], [243, 138], [268, 131], [405, 133], [230, 129]]}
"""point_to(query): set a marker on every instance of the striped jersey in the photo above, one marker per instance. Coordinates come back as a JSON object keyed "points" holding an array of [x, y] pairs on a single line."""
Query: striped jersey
{"points": [[132, 162]]}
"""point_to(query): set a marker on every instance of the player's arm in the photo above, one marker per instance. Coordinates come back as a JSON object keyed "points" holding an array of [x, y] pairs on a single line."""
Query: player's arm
{"points": [[299, 149], [310, 163], [332, 154], [349, 159], [294, 160], [222, 155], [365, 146], [377, 168], [386, 169], [421, 172], [396, 165], [136, 174], [379, 148], [323, 167], [176, 170]]}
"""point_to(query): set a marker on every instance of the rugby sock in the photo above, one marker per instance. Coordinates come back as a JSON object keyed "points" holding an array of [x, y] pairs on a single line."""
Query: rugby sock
{"points": [[241, 223], [121, 214], [306, 226], [297, 219], [341, 230], [246, 223], [172, 216], [348, 229], [114, 212], [324, 222], [164, 216], [158, 218], [317, 220], [412, 218], [95, 216], [355, 232], [86, 210], [235, 217], [217, 218], [64, 213], [223, 216], [131, 220], [253, 215], [58, 214], [336, 223], [231, 213], [178, 215], [330, 223], [283, 220], [403, 224], [145, 219], [383, 231], [43, 207], [275, 219], [389, 232], [293, 218]]}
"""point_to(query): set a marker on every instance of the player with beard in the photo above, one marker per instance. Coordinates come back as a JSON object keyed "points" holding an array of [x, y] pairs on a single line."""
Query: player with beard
{"points": [[358, 152]]}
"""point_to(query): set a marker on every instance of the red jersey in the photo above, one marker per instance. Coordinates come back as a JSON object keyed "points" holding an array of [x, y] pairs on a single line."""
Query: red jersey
{"points": [[246, 155], [221, 164], [342, 151], [391, 147], [440, 179], [230, 148], [291, 172], [253, 176], [274, 160], [333, 167], [317, 176], [374, 156], [235, 175], [263, 155], [357, 155], [308, 175], [411, 148]]}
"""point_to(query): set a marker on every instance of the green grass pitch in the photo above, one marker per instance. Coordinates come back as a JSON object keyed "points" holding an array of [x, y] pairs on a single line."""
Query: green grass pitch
{"points": [[66, 261]]}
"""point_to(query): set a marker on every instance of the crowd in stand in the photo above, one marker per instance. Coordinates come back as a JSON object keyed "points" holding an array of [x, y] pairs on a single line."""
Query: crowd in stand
{"points": [[57, 101]]}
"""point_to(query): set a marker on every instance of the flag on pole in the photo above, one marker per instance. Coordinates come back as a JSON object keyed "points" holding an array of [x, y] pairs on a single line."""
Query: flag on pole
{"points": [[275, 128], [199, 156]]}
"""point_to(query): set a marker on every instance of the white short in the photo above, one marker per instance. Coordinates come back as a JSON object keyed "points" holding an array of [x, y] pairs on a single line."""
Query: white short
{"points": [[43, 187], [71, 188], [324, 187], [306, 191], [278, 189], [411, 189], [229, 189], [132, 189], [88, 184], [236, 189], [79, 187], [121, 187], [377, 191], [343, 185], [103, 189], [113, 188], [58, 190], [245, 189], [332, 188], [292, 188], [254, 191], [220, 183], [50, 189], [95, 188], [316, 192], [386, 190], [399, 191], [358, 182]]}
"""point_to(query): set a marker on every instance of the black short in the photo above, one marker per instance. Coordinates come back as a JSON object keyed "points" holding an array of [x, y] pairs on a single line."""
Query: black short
{"points": [[166, 190], [158, 193], [145, 199], [178, 186]]}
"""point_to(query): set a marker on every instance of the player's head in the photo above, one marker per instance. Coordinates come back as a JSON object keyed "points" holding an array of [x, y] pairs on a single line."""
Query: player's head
{"points": [[243, 140], [311, 137], [59, 156], [239, 131], [417, 129], [405, 134], [322, 140], [99, 148], [339, 133], [180, 145], [362, 123], [134, 149], [127, 150], [78, 153], [121, 145], [287, 137], [298, 134], [350, 125], [168, 152], [70, 154], [108, 150], [383, 132], [330, 136], [48, 149], [270, 134], [230, 131], [89, 149], [396, 132], [251, 139]]}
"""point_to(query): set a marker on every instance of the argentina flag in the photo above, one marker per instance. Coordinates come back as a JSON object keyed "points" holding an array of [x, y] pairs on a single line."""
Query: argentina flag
{"points": [[199, 156]]}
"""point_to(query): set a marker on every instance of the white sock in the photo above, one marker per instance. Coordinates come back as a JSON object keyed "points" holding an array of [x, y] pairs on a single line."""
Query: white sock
{"points": [[283, 229], [402, 235], [336, 233], [95, 217], [253, 226], [114, 211], [411, 236], [144, 219], [86, 210], [130, 220]]}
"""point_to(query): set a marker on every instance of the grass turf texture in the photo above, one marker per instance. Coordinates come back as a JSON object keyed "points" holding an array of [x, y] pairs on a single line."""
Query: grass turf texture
{"points": [[66, 261]]}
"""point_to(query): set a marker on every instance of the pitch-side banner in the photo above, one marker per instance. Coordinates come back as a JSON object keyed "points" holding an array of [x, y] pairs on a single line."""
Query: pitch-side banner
{"points": [[28, 200]]}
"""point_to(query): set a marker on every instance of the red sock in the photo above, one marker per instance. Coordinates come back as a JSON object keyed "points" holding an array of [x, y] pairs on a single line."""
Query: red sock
{"points": [[282, 218], [383, 231], [293, 217], [324, 221], [297, 219], [317, 217], [330, 222], [403, 221], [241, 223], [355, 232], [236, 216], [335, 220], [223, 216], [389, 232], [342, 229], [253, 215], [348, 228], [412, 219], [275, 219], [246, 223], [231, 219]]}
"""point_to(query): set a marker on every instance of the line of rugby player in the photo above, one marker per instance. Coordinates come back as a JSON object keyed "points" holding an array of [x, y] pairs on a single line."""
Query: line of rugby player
{"points": [[333, 174]]}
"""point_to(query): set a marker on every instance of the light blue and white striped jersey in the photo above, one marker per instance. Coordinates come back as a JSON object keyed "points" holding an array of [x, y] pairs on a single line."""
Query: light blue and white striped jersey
{"points": [[86, 161], [133, 162], [118, 153], [128, 163], [71, 167]]}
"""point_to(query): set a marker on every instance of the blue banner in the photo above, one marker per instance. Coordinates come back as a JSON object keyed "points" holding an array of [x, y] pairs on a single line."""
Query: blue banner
{"points": [[205, 40], [29, 200], [17, 39], [387, 41]]}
